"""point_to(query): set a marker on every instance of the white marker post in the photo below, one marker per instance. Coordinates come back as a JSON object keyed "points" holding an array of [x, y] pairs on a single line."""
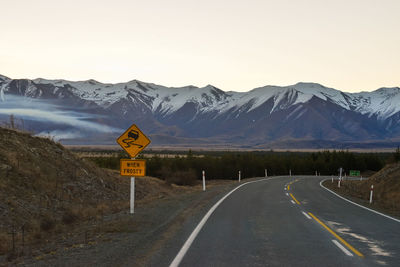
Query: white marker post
{"points": [[316, 173], [266, 173], [204, 181], [290, 173], [239, 176], [332, 178], [370, 195], [361, 178]]}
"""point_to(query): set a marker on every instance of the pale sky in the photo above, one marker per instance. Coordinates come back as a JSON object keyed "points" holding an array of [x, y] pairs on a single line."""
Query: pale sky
{"points": [[351, 45]]}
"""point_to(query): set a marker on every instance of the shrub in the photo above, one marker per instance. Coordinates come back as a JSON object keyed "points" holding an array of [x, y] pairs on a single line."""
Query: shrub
{"points": [[182, 177], [47, 223]]}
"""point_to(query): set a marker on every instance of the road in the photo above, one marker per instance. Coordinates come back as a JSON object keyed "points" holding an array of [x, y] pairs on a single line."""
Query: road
{"points": [[291, 221]]}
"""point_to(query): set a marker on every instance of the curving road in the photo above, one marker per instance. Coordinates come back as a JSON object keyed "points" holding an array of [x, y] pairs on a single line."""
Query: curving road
{"points": [[290, 221]]}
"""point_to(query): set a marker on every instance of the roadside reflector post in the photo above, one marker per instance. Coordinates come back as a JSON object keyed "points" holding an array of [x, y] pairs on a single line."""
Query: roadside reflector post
{"points": [[266, 173], [332, 178], [239, 176], [290, 173], [338, 183], [370, 195], [361, 178], [204, 181], [316, 174]]}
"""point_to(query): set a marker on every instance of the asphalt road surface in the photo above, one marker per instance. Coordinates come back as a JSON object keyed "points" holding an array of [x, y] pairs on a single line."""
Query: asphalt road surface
{"points": [[290, 221]]}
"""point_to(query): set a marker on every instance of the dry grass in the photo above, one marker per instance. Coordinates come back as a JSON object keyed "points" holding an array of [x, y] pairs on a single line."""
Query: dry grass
{"points": [[386, 184]]}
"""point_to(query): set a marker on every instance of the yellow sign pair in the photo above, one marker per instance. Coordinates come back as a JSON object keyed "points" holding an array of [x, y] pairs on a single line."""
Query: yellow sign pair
{"points": [[133, 141]]}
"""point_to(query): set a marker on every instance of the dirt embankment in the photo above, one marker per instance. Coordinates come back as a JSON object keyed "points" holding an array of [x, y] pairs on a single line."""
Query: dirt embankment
{"points": [[46, 191], [386, 193]]}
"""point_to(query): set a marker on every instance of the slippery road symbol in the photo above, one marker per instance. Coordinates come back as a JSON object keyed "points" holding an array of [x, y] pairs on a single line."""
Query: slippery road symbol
{"points": [[133, 135], [133, 141]]}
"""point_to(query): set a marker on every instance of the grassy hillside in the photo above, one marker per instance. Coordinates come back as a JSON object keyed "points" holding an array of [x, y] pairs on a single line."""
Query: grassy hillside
{"points": [[46, 190], [386, 184]]}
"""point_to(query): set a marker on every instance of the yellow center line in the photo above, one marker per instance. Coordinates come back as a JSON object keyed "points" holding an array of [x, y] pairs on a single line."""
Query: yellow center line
{"points": [[298, 203], [336, 236], [288, 187]]}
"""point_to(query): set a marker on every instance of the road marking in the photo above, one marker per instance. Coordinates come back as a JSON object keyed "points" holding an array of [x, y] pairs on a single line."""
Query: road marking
{"points": [[345, 251], [287, 194], [295, 199], [285, 188], [361, 206], [294, 203], [193, 235], [337, 237], [288, 187], [305, 214]]}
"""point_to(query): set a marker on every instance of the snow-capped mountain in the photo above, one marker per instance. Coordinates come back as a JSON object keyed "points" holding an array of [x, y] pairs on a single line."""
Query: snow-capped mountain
{"points": [[304, 111]]}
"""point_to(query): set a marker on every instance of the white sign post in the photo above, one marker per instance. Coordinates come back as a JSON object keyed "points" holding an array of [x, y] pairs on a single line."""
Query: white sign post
{"points": [[239, 176], [132, 209], [132, 202]]}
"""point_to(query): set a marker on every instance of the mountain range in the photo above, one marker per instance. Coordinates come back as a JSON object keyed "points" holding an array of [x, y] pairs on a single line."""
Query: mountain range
{"points": [[304, 115]]}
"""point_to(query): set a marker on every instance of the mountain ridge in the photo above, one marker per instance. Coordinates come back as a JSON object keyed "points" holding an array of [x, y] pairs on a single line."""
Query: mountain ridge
{"points": [[264, 114]]}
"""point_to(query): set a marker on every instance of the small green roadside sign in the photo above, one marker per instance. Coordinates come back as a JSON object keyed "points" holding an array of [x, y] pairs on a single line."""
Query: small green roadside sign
{"points": [[354, 173]]}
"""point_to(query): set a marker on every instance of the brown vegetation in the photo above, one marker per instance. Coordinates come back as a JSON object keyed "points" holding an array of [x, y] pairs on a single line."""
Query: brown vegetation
{"points": [[46, 190], [386, 182]]}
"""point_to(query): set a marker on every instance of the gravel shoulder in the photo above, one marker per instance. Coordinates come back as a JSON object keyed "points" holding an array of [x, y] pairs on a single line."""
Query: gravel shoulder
{"points": [[148, 238]]}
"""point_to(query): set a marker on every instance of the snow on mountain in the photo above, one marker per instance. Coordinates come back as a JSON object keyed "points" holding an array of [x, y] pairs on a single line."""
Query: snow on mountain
{"points": [[383, 102], [265, 114]]}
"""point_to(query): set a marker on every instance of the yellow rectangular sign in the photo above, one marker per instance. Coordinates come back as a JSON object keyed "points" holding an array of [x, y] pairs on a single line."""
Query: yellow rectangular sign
{"points": [[133, 167]]}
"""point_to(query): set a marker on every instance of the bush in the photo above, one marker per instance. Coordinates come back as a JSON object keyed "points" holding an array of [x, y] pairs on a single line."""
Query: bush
{"points": [[47, 223], [182, 177], [69, 217]]}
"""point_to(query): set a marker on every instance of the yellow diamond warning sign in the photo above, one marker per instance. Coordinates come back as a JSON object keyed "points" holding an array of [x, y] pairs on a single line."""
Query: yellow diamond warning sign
{"points": [[131, 167], [133, 141]]}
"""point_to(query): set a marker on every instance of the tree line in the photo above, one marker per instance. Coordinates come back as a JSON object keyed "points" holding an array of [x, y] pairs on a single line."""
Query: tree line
{"points": [[185, 169]]}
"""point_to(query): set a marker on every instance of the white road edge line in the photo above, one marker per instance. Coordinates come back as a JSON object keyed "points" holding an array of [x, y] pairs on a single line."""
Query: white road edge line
{"points": [[361, 206], [305, 214], [193, 235], [345, 251], [293, 202]]}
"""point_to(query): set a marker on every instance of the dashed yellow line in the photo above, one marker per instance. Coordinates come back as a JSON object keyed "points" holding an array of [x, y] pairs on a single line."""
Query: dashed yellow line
{"points": [[288, 187], [298, 203], [336, 236]]}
